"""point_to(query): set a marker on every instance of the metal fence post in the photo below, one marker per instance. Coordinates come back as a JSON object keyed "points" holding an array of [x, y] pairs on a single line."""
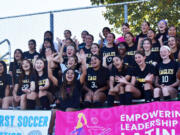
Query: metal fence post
{"points": [[125, 13], [52, 22]]}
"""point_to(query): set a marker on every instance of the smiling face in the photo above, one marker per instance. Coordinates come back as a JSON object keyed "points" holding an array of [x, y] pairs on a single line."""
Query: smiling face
{"points": [[71, 62], [95, 62], [105, 32], [125, 29], [144, 27], [110, 38], [172, 42], [172, 31], [88, 40], [147, 45], [151, 34], [94, 49], [164, 53], [128, 38], [162, 26], [70, 75], [70, 51], [26, 65], [117, 62], [39, 65], [140, 59]]}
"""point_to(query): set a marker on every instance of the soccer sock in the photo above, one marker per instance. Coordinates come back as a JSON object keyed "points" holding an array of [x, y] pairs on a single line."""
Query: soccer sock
{"points": [[122, 99], [31, 104], [110, 100], [157, 99], [97, 104], [44, 102], [148, 95], [167, 97], [128, 98]]}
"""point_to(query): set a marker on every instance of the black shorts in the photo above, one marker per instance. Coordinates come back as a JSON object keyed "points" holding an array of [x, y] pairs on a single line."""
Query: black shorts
{"points": [[140, 87]]}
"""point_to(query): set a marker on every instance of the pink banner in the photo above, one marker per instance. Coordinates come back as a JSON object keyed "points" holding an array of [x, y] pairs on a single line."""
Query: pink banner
{"points": [[157, 118]]}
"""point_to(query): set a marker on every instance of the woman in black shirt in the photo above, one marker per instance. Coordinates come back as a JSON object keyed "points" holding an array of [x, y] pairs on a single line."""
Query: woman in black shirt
{"points": [[131, 48], [151, 58], [166, 82], [5, 82], [43, 83], [172, 43], [109, 51], [96, 84], [119, 71], [15, 67], [24, 91], [141, 85]]}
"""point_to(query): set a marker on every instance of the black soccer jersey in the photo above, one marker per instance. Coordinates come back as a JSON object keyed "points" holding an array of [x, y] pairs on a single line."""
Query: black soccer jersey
{"points": [[167, 72], [88, 53], [153, 57], [140, 75], [155, 47], [71, 101], [176, 55], [30, 56], [114, 72], [25, 84], [110, 52], [42, 80], [4, 81], [92, 80], [15, 68]]}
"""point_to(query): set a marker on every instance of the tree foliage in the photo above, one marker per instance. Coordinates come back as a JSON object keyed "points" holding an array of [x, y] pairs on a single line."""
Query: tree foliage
{"points": [[152, 11]]}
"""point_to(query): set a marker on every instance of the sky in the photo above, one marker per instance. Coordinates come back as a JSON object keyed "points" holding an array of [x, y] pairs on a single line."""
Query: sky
{"points": [[20, 30]]}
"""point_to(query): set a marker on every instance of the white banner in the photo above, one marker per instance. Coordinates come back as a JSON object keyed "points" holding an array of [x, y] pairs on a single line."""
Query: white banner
{"points": [[19, 122]]}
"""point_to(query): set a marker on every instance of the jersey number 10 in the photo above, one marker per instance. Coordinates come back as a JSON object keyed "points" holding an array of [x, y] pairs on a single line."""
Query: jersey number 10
{"points": [[165, 79]]}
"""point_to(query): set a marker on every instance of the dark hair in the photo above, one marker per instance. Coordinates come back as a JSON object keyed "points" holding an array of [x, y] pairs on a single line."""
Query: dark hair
{"points": [[122, 43], [129, 34], [45, 66], [146, 23], [50, 33], [72, 42], [124, 66], [125, 24], [147, 39], [85, 31], [63, 87], [113, 35], [140, 52], [106, 28], [96, 45], [101, 72], [68, 31], [91, 36], [5, 67], [172, 26], [152, 31], [21, 77], [42, 52], [34, 42], [19, 50], [15, 61]]}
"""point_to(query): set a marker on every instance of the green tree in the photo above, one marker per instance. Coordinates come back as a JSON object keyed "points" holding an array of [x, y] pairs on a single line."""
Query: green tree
{"points": [[152, 11]]}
